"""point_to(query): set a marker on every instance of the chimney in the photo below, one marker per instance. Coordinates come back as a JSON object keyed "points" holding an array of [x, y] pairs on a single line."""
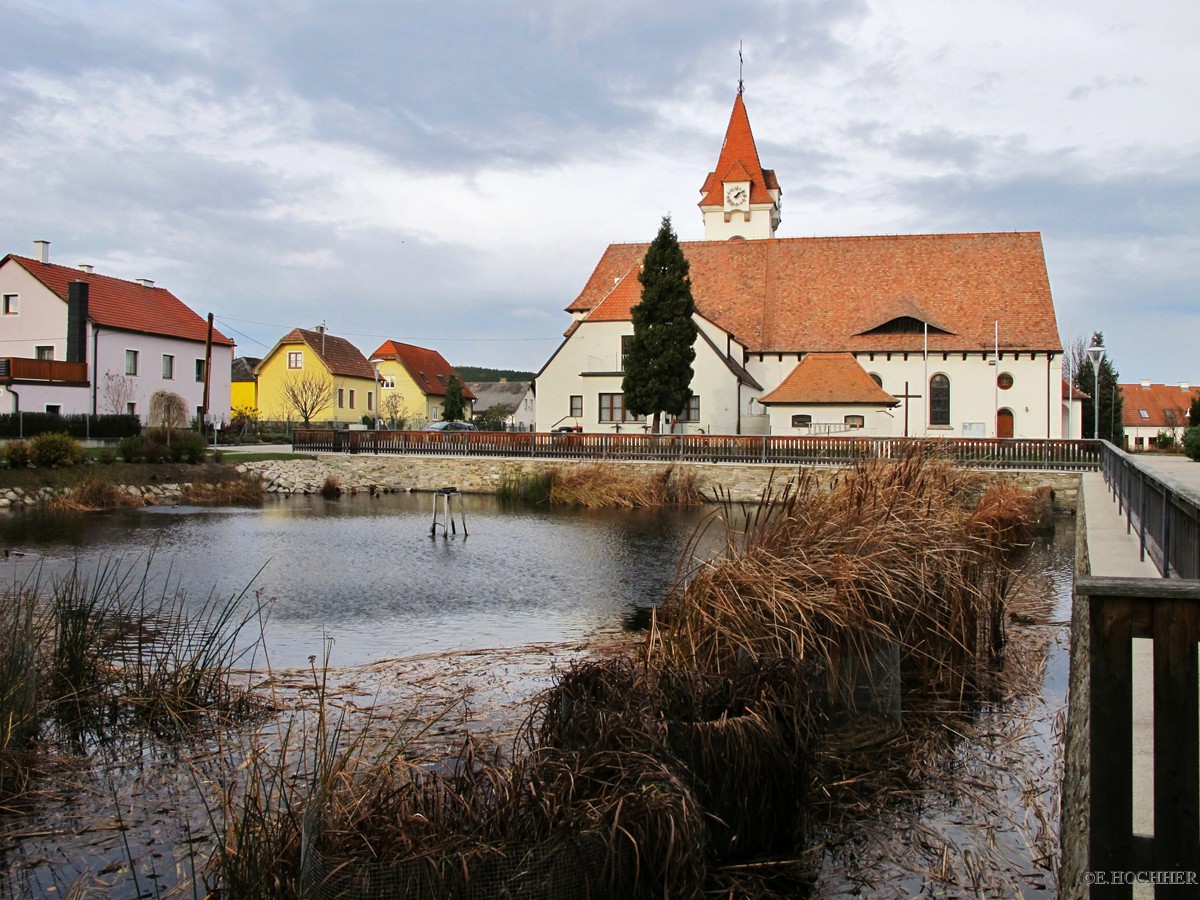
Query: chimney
{"points": [[77, 314], [87, 268], [41, 250], [145, 282]]}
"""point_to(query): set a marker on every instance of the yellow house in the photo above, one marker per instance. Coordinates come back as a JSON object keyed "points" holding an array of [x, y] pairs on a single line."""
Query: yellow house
{"points": [[314, 377], [413, 382], [243, 389]]}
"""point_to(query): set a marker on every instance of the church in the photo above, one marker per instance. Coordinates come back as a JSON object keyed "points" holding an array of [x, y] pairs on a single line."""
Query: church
{"points": [[929, 335]]}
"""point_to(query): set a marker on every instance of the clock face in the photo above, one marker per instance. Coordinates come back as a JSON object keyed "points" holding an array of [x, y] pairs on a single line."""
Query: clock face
{"points": [[735, 196]]}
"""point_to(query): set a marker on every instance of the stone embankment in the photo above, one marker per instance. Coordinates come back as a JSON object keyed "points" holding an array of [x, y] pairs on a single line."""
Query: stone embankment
{"points": [[139, 494], [384, 474]]}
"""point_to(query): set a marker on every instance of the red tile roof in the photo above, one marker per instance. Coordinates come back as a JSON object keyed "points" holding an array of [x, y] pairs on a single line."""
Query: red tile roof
{"points": [[427, 368], [738, 162], [829, 378], [618, 305], [127, 305], [823, 294], [1070, 392], [1165, 405], [339, 355]]}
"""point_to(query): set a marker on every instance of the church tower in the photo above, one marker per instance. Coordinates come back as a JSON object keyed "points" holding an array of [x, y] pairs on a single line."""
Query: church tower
{"points": [[740, 199]]}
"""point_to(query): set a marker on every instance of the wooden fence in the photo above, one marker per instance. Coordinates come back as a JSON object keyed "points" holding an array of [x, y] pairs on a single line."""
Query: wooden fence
{"points": [[1167, 612], [977, 452]]}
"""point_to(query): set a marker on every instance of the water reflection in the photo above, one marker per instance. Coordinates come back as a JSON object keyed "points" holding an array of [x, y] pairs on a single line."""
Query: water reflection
{"points": [[366, 570]]}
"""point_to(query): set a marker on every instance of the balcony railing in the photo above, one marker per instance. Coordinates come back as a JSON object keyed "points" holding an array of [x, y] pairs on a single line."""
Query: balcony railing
{"points": [[16, 368], [782, 449]]}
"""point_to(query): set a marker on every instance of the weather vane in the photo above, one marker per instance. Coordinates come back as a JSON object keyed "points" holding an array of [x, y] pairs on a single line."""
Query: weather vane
{"points": [[741, 87]]}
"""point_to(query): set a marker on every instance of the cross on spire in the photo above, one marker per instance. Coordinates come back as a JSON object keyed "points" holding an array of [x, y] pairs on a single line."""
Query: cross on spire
{"points": [[741, 87]]}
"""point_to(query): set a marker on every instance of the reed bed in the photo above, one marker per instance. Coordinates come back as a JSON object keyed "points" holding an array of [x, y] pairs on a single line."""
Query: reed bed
{"points": [[603, 486], [95, 491], [234, 492], [892, 554], [94, 655]]}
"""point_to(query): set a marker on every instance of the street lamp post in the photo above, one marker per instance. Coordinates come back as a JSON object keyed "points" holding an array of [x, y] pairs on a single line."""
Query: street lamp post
{"points": [[1096, 355]]}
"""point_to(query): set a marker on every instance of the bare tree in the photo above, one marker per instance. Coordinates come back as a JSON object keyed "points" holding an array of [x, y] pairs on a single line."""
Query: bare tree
{"points": [[307, 393], [396, 411], [118, 392], [167, 410]]}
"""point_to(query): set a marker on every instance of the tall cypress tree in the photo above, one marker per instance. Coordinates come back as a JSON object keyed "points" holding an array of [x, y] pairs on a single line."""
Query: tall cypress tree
{"points": [[658, 366], [1109, 400]]}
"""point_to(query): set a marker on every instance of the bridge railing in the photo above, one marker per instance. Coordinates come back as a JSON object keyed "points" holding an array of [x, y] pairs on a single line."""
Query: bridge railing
{"points": [[772, 449], [1167, 521]]}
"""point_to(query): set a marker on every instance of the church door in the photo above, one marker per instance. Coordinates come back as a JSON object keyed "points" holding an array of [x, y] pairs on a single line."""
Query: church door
{"points": [[1004, 423]]}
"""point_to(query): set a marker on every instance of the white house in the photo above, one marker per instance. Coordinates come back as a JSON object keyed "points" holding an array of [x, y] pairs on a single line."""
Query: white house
{"points": [[957, 330], [1148, 410], [76, 342]]}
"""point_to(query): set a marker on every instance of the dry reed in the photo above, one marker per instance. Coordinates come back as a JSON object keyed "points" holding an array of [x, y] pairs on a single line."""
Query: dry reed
{"points": [[617, 487], [234, 492], [95, 491]]}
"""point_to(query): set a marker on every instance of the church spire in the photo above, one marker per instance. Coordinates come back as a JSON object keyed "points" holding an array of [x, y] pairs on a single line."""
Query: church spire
{"points": [[739, 198]]}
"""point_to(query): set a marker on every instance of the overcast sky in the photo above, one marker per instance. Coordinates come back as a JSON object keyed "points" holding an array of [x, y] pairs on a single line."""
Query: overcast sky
{"points": [[448, 174]]}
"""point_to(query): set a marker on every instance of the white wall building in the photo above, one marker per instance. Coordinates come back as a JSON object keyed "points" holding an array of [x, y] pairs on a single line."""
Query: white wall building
{"points": [[76, 342], [958, 330]]}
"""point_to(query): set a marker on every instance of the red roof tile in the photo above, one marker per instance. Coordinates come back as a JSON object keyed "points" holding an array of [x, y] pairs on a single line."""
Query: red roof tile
{"points": [[829, 378], [738, 162], [1165, 405], [823, 294], [427, 368], [127, 305], [339, 355], [618, 305]]}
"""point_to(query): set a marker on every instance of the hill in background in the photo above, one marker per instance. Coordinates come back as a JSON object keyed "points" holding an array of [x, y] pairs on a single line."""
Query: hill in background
{"points": [[479, 373]]}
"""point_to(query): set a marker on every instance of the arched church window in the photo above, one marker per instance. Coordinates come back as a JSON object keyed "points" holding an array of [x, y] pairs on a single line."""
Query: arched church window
{"points": [[939, 400], [878, 379]]}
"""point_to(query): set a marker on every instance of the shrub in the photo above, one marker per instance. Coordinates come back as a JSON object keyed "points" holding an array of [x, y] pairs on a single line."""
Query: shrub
{"points": [[154, 450], [107, 456], [16, 453], [1191, 443], [130, 448], [187, 446], [79, 426], [1164, 440], [55, 449]]}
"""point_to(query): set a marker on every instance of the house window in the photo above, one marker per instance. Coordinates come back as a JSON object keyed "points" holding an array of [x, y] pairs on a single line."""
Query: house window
{"points": [[131, 362], [939, 400], [801, 420], [199, 370], [12, 305], [131, 409], [626, 344], [1004, 381], [691, 412], [612, 409], [370, 401], [341, 398], [168, 366], [434, 412], [295, 359], [44, 352], [1144, 413], [577, 406], [352, 398], [54, 409], [387, 381], [854, 421]]}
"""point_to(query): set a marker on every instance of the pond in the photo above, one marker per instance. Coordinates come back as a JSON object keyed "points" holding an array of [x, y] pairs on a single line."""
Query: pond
{"points": [[366, 571]]}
